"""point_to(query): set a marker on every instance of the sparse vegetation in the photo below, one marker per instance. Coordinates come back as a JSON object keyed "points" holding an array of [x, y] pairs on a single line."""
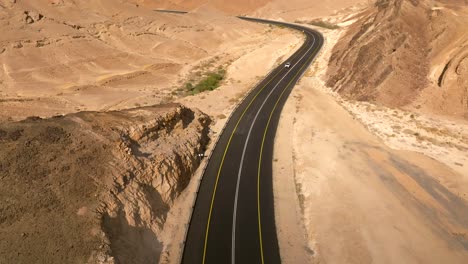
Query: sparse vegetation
{"points": [[300, 196], [210, 82], [206, 76]]}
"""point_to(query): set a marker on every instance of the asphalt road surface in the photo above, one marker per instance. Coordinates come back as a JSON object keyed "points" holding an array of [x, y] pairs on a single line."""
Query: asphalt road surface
{"points": [[234, 220]]}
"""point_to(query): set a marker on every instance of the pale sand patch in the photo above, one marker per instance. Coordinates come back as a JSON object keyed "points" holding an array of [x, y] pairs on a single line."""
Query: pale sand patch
{"points": [[290, 227], [364, 202], [440, 138]]}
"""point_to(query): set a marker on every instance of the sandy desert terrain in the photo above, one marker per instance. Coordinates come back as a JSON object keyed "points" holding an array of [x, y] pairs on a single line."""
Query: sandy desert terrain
{"points": [[273, 9], [98, 128], [61, 57], [374, 184]]}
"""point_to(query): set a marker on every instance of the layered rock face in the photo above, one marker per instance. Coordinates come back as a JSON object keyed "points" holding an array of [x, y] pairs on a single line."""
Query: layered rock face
{"points": [[95, 187], [154, 164], [372, 60], [449, 59], [405, 53]]}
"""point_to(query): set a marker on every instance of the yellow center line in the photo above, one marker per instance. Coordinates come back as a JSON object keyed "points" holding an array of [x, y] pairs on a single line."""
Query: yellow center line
{"points": [[224, 155], [261, 154]]}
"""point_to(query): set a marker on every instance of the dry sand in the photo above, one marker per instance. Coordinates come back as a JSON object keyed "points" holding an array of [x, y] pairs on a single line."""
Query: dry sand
{"points": [[293, 10], [360, 200], [274, 9], [113, 60], [364, 202], [97, 55], [443, 139], [342, 195], [292, 238]]}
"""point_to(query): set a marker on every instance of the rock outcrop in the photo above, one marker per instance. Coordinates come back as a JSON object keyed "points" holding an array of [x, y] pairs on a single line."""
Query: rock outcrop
{"points": [[95, 187], [405, 54], [32, 16], [372, 61]]}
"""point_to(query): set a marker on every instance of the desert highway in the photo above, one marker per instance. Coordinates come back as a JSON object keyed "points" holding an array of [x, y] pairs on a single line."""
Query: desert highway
{"points": [[233, 219]]}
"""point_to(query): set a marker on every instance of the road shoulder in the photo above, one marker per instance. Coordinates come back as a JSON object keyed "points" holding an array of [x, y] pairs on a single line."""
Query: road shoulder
{"points": [[289, 222]]}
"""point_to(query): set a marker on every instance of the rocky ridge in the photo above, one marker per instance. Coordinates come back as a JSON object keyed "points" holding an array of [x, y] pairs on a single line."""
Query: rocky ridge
{"points": [[405, 54], [95, 187]]}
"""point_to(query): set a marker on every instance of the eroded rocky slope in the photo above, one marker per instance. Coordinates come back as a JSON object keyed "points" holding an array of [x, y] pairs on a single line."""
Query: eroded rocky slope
{"points": [[95, 187], [59, 57], [405, 53]]}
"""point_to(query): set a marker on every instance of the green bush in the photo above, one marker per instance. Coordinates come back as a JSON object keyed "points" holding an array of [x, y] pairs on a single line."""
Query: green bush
{"points": [[210, 82]]}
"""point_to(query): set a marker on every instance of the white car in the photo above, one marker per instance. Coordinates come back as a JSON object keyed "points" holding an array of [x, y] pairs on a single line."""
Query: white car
{"points": [[287, 65]]}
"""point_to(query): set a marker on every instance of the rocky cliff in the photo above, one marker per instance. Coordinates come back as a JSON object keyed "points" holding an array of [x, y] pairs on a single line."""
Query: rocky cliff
{"points": [[95, 187], [405, 53]]}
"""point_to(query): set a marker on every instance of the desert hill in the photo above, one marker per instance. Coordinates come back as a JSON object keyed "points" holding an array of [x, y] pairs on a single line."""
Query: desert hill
{"points": [[406, 53], [99, 129], [94, 187], [275, 9], [89, 176], [59, 57], [229, 7]]}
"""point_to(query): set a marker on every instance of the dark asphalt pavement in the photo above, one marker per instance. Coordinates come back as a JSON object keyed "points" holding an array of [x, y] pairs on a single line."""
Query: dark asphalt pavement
{"points": [[233, 219]]}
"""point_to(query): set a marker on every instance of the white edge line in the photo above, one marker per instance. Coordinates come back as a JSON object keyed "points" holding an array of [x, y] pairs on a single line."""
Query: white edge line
{"points": [[194, 200], [234, 217]]}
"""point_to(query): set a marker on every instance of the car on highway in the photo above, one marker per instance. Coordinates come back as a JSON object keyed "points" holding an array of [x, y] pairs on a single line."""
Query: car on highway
{"points": [[287, 65]]}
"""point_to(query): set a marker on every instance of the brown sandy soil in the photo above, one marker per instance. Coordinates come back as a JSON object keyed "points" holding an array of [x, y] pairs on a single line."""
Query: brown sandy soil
{"points": [[302, 9], [113, 60], [362, 201], [94, 187], [60, 57], [274, 9], [228, 7], [357, 199]]}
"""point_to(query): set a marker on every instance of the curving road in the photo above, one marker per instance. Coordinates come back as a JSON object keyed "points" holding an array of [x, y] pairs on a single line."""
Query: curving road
{"points": [[233, 220]]}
